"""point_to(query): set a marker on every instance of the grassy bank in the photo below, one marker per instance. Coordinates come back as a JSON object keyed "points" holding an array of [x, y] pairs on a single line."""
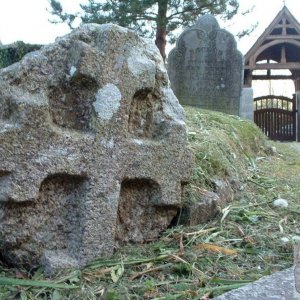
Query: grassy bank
{"points": [[249, 238]]}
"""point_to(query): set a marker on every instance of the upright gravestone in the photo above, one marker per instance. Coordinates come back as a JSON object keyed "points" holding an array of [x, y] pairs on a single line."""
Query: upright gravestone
{"points": [[206, 69]]}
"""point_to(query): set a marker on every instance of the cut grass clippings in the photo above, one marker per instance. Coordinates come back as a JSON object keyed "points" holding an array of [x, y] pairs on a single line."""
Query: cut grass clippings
{"points": [[250, 238], [34, 283]]}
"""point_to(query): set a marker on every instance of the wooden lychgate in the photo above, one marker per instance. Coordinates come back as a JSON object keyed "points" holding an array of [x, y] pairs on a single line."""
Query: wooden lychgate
{"points": [[278, 48], [276, 117]]}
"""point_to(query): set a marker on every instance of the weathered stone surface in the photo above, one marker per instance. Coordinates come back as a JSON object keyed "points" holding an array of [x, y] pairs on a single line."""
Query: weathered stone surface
{"points": [[201, 206], [279, 286], [205, 68], [92, 148], [223, 189], [246, 106]]}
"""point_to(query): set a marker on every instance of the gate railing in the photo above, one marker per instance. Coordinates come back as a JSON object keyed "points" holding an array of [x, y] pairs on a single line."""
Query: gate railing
{"points": [[276, 116]]}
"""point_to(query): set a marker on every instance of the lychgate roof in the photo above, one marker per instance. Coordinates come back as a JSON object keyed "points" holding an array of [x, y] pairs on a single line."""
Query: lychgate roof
{"points": [[279, 43]]}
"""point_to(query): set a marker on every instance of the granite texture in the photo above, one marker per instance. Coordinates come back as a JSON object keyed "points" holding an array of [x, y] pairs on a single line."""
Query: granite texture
{"points": [[93, 148]]}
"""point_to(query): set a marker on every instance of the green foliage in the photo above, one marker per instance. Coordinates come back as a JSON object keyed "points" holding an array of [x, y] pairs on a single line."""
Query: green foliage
{"points": [[224, 145], [144, 16], [135, 13], [149, 285], [12, 53], [112, 295], [148, 17], [182, 269]]}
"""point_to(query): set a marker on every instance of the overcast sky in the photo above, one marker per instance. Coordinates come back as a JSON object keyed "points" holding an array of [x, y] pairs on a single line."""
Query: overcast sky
{"points": [[27, 20]]}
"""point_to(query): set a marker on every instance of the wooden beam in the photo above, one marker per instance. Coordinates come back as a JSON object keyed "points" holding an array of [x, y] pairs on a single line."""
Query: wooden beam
{"points": [[272, 77], [284, 38], [281, 26], [283, 66], [284, 26], [283, 55]]}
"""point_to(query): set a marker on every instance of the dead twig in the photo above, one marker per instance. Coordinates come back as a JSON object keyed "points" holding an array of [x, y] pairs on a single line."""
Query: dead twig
{"points": [[158, 268]]}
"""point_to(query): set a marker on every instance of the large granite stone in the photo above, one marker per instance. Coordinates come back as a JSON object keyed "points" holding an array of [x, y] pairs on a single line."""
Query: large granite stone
{"points": [[206, 69], [93, 148]]}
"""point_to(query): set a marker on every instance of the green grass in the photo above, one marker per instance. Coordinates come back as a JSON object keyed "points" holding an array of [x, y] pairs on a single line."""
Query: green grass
{"points": [[242, 244], [224, 145]]}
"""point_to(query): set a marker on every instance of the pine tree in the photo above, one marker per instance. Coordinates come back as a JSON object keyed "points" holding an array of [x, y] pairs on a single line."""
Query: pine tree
{"points": [[149, 18]]}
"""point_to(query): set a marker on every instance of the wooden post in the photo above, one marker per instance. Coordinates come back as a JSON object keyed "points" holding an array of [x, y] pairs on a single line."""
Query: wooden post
{"points": [[283, 54], [297, 94]]}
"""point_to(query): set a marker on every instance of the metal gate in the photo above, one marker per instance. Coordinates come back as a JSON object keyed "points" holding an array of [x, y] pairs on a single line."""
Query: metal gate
{"points": [[276, 117]]}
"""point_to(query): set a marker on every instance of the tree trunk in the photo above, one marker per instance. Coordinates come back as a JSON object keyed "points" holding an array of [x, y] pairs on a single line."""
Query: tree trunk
{"points": [[161, 30]]}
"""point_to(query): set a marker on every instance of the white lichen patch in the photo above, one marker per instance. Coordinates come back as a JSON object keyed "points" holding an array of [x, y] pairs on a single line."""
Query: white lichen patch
{"points": [[107, 101], [138, 141], [140, 65], [72, 70], [108, 143], [4, 127]]}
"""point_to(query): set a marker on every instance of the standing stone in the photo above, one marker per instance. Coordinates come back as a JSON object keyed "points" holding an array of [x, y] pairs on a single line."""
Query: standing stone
{"points": [[246, 107], [206, 69], [93, 148]]}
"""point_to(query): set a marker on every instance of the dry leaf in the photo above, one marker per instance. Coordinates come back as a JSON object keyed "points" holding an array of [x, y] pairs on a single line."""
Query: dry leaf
{"points": [[215, 248]]}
